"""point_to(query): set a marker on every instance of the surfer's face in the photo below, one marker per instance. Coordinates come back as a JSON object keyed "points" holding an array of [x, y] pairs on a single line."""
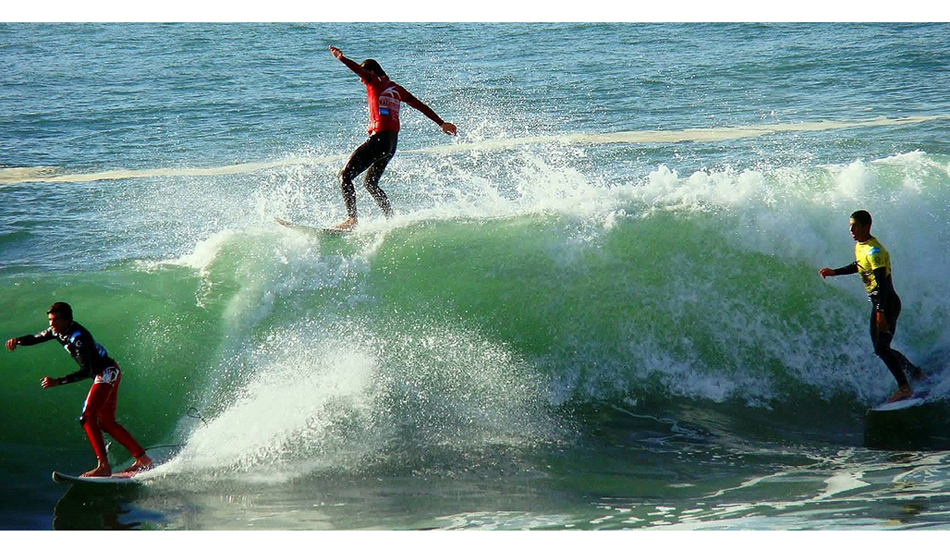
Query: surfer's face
{"points": [[859, 232], [58, 323]]}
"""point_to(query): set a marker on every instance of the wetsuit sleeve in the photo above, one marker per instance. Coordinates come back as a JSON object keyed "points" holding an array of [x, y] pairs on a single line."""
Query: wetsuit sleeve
{"points": [[412, 101], [356, 68], [849, 269], [883, 288], [81, 374], [33, 339], [76, 376]]}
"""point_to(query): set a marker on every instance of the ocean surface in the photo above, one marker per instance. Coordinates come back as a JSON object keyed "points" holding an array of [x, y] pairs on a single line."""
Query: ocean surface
{"points": [[597, 307]]}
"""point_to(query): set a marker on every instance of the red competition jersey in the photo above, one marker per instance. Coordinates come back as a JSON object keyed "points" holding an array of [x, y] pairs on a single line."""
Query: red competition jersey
{"points": [[384, 97]]}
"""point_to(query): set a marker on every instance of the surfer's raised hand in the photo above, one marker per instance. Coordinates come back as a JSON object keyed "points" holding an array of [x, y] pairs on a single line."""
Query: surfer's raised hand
{"points": [[337, 52], [11, 344], [449, 128], [48, 382]]}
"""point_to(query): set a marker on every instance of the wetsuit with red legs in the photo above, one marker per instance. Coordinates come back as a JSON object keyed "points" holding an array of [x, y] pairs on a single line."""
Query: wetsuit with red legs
{"points": [[98, 412]]}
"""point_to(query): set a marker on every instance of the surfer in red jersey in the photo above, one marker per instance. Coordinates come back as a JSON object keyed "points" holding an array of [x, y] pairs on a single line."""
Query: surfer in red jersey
{"points": [[384, 97], [98, 412]]}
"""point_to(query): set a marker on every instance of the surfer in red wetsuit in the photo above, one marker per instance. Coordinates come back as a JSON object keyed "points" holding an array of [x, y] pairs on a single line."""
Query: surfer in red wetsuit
{"points": [[384, 97], [98, 412]]}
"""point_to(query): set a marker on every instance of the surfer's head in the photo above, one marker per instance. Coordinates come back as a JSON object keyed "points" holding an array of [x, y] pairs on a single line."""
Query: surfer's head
{"points": [[372, 66], [860, 225], [60, 317]]}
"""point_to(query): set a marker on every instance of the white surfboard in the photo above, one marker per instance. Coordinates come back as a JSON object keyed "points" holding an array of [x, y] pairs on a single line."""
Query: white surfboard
{"points": [[919, 397], [912, 401], [160, 454], [311, 230], [115, 479]]}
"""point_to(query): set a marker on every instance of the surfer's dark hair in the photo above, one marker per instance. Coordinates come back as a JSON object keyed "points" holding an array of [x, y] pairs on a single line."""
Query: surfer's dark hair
{"points": [[863, 217], [372, 65], [62, 309]]}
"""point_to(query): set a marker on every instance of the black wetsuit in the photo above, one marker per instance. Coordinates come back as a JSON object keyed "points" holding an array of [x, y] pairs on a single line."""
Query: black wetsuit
{"points": [[374, 155], [873, 263], [91, 357]]}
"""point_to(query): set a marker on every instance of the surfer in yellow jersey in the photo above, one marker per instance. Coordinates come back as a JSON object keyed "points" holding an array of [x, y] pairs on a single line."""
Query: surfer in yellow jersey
{"points": [[873, 263]]}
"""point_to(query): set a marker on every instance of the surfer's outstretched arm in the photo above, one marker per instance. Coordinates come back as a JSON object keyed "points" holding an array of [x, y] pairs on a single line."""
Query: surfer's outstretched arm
{"points": [[48, 382], [418, 105], [849, 269], [31, 340], [364, 74]]}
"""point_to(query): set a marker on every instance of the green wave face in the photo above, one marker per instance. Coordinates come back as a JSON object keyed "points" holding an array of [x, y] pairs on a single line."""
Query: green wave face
{"points": [[460, 332]]}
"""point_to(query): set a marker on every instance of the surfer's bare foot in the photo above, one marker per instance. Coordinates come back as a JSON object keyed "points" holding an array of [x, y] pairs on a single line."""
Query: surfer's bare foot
{"points": [[141, 463], [348, 225], [102, 470], [902, 392]]}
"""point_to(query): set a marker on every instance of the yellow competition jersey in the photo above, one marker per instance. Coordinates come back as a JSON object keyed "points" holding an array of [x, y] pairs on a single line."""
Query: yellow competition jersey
{"points": [[871, 255]]}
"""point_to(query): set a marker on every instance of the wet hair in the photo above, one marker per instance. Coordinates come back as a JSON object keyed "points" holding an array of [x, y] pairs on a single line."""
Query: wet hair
{"points": [[62, 309], [863, 217], [372, 65]]}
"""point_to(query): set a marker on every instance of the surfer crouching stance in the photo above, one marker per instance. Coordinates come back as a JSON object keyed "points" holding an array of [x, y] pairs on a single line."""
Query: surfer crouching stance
{"points": [[98, 412], [384, 97], [873, 263]]}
